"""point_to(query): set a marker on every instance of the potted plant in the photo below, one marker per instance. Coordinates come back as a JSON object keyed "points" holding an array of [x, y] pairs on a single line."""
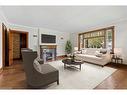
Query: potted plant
{"points": [[68, 48]]}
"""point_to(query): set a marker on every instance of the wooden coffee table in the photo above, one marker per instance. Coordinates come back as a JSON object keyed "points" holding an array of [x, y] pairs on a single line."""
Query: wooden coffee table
{"points": [[72, 63]]}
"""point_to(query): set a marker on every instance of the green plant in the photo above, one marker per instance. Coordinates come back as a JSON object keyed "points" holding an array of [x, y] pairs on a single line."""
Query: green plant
{"points": [[68, 47], [96, 42]]}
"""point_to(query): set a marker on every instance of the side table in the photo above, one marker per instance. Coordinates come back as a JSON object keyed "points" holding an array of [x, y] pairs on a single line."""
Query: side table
{"points": [[117, 59]]}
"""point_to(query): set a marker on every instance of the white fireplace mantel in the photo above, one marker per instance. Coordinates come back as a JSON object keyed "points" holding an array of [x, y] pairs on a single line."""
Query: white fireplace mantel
{"points": [[48, 44]]}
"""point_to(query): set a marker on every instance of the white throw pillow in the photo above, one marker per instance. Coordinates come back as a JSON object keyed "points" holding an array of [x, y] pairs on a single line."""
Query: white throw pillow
{"points": [[98, 54], [84, 51], [37, 65], [103, 51], [78, 52]]}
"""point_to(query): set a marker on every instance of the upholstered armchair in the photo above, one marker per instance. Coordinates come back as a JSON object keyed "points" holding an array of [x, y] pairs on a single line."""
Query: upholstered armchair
{"points": [[35, 78]]}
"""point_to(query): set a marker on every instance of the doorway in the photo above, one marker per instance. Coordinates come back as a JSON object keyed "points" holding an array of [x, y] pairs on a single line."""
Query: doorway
{"points": [[13, 41], [19, 40]]}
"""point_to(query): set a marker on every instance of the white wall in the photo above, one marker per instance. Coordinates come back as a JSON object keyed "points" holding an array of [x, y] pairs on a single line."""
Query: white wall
{"points": [[74, 39], [120, 35], [2, 20], [121, 38], [59, 42], [33, 41]]}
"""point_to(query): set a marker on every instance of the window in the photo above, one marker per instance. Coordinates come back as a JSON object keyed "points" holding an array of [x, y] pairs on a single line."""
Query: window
{"points": [[102, 38], [109, 39], [97, 42]]}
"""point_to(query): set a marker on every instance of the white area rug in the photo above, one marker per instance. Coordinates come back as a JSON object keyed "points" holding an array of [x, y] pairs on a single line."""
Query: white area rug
{"points": [[88, 78]]}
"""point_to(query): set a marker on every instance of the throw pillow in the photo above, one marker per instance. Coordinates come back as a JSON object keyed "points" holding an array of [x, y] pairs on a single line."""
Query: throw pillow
{"points": [[78, 52], [37, 66], [83, 51], [41, 61], [98, 54], [103, 51]]}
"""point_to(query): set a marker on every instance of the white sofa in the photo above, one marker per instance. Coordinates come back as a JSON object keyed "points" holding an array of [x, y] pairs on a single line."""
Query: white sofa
{"points": [[90, 55]]}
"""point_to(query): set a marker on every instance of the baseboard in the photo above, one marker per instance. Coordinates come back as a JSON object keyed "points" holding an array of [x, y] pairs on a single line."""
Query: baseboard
{"points": [[16, 58], [61, 56]]}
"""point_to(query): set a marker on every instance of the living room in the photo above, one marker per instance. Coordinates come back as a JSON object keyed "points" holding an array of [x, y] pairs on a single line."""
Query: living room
{"points": [[48, 33]]}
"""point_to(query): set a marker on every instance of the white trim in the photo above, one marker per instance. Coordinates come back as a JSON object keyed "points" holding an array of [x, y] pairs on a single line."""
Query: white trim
{"points": [[48, 44]]}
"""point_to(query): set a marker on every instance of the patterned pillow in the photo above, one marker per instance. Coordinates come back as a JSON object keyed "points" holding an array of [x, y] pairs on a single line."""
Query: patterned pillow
{"points": [[41, 61], [98, 54], [103, 51], [37, 66]]}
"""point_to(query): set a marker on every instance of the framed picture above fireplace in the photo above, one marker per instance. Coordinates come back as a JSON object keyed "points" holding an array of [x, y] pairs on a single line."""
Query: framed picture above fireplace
{"points": [[48, 38]]}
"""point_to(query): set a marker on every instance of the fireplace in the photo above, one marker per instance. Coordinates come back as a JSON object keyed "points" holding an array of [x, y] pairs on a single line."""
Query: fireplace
{"points": [[48, 52], [49, 55]]}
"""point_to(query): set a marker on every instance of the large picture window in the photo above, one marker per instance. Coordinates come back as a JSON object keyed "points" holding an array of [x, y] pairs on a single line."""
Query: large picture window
{"points": [[102, 38]]}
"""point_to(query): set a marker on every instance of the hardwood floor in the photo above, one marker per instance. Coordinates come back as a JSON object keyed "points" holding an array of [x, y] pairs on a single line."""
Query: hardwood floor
{"points": [[13, 77], [118, 80]]}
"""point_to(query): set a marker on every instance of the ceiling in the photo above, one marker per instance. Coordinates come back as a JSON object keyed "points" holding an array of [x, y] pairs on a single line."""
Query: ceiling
{"points": [[63, 18]]}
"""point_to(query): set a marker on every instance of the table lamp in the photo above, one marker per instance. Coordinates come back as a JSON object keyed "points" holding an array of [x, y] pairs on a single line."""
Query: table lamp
{"points": [[75, 48]]}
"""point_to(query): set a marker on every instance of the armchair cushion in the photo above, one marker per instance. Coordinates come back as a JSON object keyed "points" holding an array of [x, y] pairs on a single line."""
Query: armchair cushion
{"points": [[46, 68]]}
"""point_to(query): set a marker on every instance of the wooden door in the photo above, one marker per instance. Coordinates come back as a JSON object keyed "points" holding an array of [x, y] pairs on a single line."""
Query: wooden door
{"points": [[10, 36], [5, 48], [3, 43]]}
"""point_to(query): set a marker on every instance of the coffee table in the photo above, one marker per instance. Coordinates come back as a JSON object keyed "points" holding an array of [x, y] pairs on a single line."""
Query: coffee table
{"points": [[72, 63]]}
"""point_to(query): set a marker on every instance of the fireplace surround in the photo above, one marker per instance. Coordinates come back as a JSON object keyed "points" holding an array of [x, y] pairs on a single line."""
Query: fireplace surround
{"points": [[48, 52]]}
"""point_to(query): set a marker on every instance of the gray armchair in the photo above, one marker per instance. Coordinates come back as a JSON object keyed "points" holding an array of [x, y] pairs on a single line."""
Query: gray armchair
{"points": [[28, 49], [37, 79]]}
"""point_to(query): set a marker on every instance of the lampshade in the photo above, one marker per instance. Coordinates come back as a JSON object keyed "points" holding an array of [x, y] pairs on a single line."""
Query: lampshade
{"points": [[76, 48], [118, 51]]}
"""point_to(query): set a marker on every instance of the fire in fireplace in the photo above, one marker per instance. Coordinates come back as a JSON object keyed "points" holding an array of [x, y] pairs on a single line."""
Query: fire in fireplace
{"points": [[48, 55]]}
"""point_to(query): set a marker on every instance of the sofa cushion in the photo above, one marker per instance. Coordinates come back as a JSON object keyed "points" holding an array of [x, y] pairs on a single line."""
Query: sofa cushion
{"points": [[46, 68], [92, 57], [91, 51], [84, 56]]}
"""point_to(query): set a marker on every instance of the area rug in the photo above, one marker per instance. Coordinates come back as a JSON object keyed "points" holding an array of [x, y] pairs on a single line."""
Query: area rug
{"points": [[88, 78]]}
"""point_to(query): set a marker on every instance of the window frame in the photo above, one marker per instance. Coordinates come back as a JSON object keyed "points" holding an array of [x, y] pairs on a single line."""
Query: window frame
{"points": [[90, 32]]}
